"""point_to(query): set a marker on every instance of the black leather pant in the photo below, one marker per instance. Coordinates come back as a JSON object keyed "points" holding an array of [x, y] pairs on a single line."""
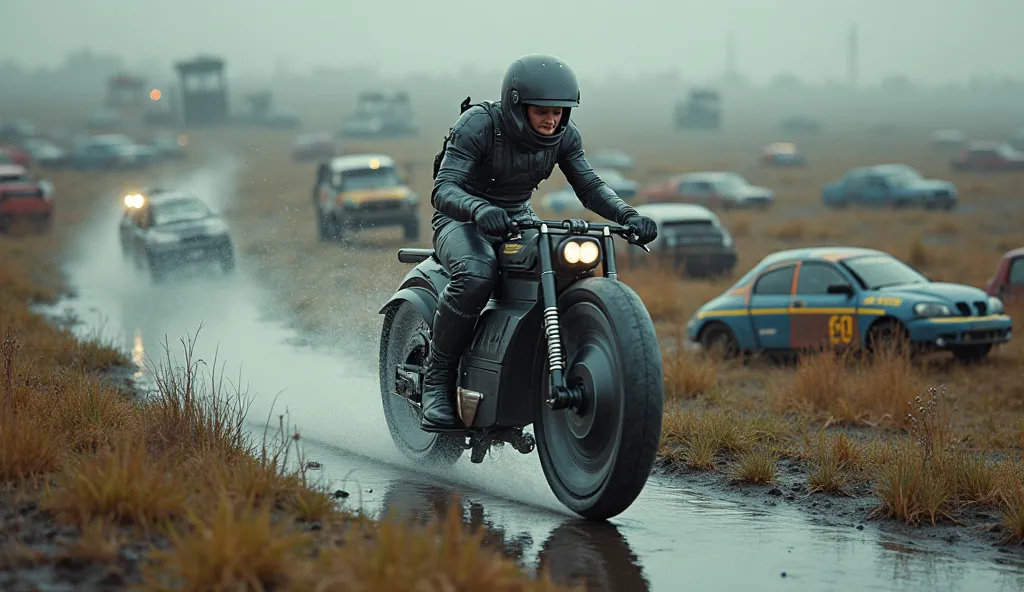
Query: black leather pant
{"points": [[469, 257]]}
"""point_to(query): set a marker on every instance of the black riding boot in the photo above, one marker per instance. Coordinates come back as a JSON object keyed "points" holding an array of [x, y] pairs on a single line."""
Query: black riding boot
{"points": [[451, 334]]}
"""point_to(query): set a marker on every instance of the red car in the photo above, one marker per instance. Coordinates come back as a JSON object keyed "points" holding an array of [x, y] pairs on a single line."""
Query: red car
{"points": [[14, 155], [23, 199], [1008, 281], [988, 156], [318, 146]]}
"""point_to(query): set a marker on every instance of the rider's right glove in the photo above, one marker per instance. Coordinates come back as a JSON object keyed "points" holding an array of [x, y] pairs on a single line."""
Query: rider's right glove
{"points": [[646, 229], [493, 221]]}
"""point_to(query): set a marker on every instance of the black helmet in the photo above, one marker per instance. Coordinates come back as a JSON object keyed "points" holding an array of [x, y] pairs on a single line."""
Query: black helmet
{"points": [[541, 80]]}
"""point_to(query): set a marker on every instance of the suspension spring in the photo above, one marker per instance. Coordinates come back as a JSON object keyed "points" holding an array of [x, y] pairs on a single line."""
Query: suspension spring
{"points": [[554, 339]]}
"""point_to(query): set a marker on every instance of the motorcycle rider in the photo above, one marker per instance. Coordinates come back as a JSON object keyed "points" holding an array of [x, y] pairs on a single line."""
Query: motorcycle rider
{"points": [[476, 199]]}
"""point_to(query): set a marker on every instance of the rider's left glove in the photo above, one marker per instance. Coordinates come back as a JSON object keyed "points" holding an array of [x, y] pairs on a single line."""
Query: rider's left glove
{"points": [[646, 229]]}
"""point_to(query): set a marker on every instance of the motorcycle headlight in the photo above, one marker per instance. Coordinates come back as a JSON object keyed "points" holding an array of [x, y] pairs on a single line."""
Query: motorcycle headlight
{"points": [[931, 309], [580, 254], [995, 305]]}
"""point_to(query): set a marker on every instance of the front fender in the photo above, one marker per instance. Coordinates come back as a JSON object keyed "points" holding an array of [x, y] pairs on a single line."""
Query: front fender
{"points": [[424, 301]]}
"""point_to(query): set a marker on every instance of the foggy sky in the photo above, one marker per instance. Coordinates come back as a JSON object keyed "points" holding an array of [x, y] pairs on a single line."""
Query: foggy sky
{"points": [[930, 40]]}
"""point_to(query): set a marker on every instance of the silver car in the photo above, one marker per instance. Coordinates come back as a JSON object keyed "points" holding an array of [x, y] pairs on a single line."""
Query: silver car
{"points": [[691, 239], [565, 200]]}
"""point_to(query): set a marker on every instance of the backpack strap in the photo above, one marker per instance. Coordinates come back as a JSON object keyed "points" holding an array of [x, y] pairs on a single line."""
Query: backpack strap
{"points": [[498, 158]]}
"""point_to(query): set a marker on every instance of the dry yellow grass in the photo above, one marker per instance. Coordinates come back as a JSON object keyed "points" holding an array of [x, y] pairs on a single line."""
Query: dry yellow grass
{"points": [[180, 467], [724, 415]]}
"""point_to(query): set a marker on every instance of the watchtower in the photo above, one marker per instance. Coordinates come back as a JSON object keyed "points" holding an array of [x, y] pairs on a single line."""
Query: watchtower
{"points": [[203, 92]]}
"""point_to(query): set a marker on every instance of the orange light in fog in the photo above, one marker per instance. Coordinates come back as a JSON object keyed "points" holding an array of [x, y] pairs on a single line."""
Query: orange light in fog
{"points": [[155, 94]]}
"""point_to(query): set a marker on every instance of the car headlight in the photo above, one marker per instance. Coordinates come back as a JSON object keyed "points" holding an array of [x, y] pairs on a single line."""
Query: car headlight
{"points": [[413, 199], [726, 239], [931, 309], [995, 305]]}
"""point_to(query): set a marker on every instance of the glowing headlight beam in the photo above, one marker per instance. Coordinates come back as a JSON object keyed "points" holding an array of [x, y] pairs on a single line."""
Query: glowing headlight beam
{"points": [[589, 252], [571, 252]]}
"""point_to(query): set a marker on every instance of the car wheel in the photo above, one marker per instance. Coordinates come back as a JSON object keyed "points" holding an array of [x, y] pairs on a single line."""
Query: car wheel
{"points": [[334, 228], [157, 270], [718, 340], [227, 262], [887, 337], [412, 230], [971, 354], [323, 226]]}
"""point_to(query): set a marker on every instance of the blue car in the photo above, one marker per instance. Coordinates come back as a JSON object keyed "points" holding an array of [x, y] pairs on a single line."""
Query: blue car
{"points": [[896, 185], [847, 297]]}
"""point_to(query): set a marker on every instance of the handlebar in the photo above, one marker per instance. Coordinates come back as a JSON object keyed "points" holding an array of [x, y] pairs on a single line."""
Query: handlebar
{"points": [[577, 228]]}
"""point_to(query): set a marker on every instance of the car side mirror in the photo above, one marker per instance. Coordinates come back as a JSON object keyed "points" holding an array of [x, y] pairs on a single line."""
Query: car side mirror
{"points": [[840, 289]]}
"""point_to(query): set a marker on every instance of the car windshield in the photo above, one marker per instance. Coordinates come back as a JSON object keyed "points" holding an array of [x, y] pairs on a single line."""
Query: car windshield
{"points": [[1007, 151], [731, 181], [367, 179], [902, 175], [179, 210], [881, 271]]}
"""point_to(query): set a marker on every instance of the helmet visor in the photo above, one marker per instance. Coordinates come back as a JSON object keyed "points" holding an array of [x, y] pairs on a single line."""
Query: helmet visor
{"points": [[551, 102]]}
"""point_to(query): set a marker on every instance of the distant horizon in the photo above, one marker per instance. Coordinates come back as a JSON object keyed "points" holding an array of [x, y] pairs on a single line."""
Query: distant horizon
{"points": [[934, 42]]}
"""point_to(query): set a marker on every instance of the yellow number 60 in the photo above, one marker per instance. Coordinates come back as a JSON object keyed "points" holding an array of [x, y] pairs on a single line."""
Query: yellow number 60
{"points": [[840, 329]]}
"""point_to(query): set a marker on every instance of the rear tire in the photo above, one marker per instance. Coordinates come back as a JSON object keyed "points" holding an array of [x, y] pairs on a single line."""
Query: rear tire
{"points": [[597, 463], [404, 340]]}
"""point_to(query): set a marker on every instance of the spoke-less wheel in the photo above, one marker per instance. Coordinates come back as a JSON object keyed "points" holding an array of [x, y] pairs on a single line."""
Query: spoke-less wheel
{"points": [[597, 460], [405, 340]]}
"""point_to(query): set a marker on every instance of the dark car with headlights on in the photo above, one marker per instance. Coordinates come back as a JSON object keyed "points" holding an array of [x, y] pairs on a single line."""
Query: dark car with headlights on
{"points": [[169, 230]]}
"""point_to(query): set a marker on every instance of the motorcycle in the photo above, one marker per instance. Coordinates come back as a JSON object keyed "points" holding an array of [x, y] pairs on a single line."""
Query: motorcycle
{"points": [[572, 353]]}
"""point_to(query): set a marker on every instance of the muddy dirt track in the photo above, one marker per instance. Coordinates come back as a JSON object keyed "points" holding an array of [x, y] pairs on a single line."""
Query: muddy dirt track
{"points": [[680, 534]]}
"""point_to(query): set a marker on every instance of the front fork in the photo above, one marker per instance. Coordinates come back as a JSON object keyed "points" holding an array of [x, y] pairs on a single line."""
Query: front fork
{"points": [[561, 394]]}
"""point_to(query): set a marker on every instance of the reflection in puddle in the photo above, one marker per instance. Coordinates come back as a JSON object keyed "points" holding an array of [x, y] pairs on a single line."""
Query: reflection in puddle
{"points": [[576, 552], [138, 355]]}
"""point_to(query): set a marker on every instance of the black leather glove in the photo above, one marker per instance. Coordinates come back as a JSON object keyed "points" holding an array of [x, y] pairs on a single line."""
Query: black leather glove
{"points": [[646, 229], [493, 220]]}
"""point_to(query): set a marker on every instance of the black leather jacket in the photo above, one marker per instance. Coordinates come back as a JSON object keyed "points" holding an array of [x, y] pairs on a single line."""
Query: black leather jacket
{"points": [[464, 182]]}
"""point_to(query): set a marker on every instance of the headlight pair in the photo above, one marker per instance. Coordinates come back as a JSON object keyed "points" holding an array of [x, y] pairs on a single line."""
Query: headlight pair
{"points": [[579, 253]]}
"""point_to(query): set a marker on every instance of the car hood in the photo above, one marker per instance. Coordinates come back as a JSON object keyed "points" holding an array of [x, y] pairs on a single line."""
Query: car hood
{"points": [[364, 195], [944, 292], [187, 228]]}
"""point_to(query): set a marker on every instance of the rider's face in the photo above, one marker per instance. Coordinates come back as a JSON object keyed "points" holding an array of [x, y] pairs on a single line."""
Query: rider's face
{"points": [[544, 120]]}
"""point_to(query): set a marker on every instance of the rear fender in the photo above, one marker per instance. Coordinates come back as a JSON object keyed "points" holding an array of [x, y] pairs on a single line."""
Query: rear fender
{"points": [[421, 286], [424, 301]]}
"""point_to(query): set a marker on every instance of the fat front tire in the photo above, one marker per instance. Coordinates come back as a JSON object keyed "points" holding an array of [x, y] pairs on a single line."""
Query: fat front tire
{"points": [[405, 340], [597, 462]]}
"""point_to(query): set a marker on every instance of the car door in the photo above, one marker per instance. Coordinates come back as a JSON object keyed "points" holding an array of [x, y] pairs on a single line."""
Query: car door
{"points": [[769, 306], [819, 319], [875, 190], [1013, 291], [853, 187]]}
